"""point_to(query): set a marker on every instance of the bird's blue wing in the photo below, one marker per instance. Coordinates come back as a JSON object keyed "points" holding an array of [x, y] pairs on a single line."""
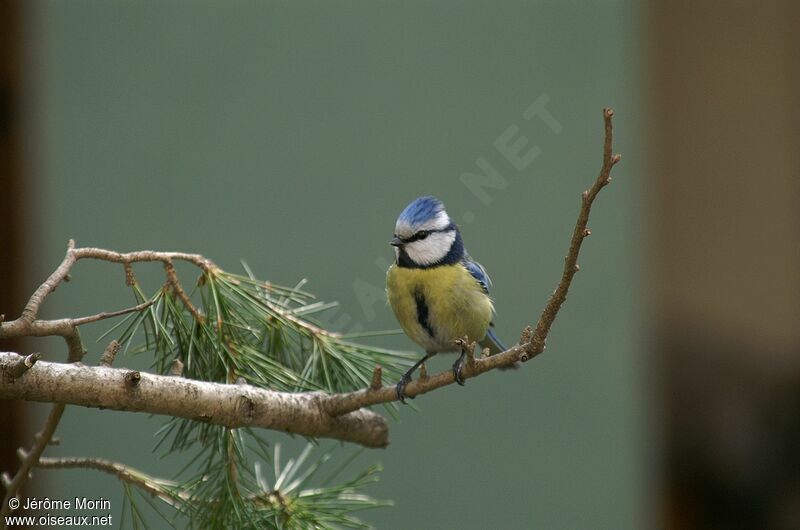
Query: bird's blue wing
{"points": [[490, 341], [479, 273]]}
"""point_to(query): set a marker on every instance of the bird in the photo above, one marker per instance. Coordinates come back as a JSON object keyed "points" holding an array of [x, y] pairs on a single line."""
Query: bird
{"points": [[436, 290]]}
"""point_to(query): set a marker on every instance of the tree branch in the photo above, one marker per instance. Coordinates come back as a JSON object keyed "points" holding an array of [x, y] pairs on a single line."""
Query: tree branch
{"points": [[27, 325], [103, 316], [339, 416], [154, 486], [536, 344], [231, 405], [532, 343]]}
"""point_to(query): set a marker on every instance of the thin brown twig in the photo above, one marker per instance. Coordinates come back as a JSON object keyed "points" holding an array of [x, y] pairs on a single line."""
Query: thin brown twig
{"points": [[532, 343], [47, 287], [539, 338], [172, 279], [19, 327], [64, 327], [27, 324], [167, 490], [111, 314], [164, 489], [144, 256]]}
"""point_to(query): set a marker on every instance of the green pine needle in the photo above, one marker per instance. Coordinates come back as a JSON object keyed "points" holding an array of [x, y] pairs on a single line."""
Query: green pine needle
{"points": [[267, 335]]}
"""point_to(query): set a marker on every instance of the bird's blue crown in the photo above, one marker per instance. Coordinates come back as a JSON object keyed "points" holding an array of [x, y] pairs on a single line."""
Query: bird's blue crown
{"points": [[421, 210]]}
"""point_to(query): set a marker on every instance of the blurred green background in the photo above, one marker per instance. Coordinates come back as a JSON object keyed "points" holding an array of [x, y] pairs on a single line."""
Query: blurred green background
{"points": [[291, 135]]}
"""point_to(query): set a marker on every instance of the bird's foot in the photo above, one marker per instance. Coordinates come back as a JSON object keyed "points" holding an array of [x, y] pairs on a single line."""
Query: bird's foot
{"points": [[401, 388], [458, 368]]}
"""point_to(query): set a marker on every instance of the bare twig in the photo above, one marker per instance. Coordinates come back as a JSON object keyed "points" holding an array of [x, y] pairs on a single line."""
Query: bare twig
{"points": [[532, 343], [154, 486], [172, 279], [26, 325], [64, 327], [537, 343], [102, 316], [201, 262], [230, 405]]}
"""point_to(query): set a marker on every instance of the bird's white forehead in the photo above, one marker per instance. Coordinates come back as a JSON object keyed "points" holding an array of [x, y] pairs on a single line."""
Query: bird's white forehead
{"points": [[439, 222]]}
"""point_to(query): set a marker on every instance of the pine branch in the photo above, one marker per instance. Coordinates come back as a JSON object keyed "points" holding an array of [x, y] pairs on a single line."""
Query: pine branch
{"points": [[286, 496], [247, 330]]}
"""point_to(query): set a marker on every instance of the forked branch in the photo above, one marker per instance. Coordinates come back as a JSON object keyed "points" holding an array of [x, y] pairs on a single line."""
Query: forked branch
{"points": [[532, 341], [341, 416]]}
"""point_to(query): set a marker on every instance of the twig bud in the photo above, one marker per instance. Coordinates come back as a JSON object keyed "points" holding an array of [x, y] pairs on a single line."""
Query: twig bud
{"points": [[176, 369], [110, 353], [129, 277], [377, 378], [525, 338], [132, 377], [52, 441], [21, 364]]}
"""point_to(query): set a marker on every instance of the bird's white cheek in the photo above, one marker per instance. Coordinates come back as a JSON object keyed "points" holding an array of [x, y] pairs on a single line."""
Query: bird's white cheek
{"points": [[432, 249]]}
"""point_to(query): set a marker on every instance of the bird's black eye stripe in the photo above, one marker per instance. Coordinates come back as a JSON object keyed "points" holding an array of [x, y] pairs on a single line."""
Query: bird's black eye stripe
{"points": [[422, 234]]}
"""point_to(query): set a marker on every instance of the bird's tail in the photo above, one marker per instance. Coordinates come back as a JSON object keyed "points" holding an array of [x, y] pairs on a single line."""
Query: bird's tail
{"points": [[495, 346]]}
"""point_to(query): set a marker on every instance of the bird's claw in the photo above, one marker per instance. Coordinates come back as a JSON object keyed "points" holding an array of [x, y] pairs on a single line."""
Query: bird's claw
{"points": [[401, 388], [458, 367]]}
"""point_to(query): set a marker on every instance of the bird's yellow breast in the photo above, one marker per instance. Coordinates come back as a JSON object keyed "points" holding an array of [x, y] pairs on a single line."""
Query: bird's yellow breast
{"points": [[456, 305]]}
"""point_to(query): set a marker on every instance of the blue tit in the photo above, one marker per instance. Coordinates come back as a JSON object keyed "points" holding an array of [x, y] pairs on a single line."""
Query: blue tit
{"points": [[437, 292]]}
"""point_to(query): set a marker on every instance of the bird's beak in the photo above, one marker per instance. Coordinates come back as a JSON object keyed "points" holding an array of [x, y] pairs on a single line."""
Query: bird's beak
{"points": [[396, 242]]}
